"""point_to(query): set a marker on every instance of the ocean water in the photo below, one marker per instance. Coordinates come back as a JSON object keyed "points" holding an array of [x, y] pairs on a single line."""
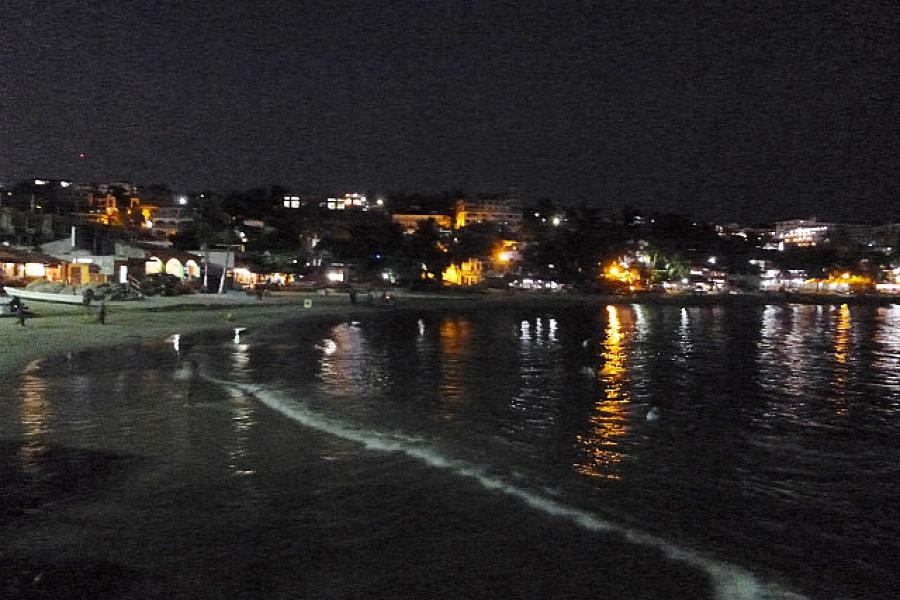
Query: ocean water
{"points": [[626, 451]]}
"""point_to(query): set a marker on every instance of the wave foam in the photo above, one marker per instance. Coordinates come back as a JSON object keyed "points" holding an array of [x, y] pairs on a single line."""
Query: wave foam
{"points": [[730, 581]]}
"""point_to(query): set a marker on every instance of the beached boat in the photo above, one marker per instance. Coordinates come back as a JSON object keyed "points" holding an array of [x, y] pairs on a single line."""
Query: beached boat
{"points": [[44, 296]]}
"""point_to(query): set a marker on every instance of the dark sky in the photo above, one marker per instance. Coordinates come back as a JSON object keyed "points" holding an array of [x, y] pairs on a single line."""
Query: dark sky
{"points": [[743, 109]]}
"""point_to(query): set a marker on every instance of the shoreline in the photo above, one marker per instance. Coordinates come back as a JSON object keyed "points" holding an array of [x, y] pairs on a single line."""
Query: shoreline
{"points": [[62, 329]]}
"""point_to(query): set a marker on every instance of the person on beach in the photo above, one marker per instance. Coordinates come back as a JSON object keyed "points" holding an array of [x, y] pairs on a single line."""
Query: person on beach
{"points": [[352, 296], [101, 315], [21, 312], [86, 299], [259, 292]]}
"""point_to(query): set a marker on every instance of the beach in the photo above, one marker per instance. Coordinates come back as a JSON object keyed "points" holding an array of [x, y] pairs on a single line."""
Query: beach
{"points": [[223, 447], [65, 328], [159, 485]]}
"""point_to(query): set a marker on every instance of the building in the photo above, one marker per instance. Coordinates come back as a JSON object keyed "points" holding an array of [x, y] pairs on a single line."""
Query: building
{"points": [[350, 201], [292, 201], [880, 238], [171, 220], [505, 211], [469, 272], [21, 265], [802, 233], [409, 222]]}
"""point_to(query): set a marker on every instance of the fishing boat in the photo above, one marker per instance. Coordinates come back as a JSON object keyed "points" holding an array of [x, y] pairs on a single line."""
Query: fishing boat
{"points": [[43, 296]]}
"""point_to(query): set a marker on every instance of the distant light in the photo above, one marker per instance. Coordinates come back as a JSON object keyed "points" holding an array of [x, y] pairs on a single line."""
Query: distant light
{"points": [[81, 155], [334, 276], [556, 221], [65, 184], [711, 260], [41, 182], [182, 200], [379, 202], [505, 256]]}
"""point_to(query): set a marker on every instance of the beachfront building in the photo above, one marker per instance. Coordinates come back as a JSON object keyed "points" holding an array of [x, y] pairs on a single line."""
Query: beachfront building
{"points": [[467, 273], [23, 266], [141, 259]]}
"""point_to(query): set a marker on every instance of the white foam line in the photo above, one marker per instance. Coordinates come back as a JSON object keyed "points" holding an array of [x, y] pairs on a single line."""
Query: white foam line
{"points": [[730, 581]]}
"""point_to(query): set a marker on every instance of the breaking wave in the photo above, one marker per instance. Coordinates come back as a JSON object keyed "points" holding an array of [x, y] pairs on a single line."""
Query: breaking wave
{"points": [[730, 582]]}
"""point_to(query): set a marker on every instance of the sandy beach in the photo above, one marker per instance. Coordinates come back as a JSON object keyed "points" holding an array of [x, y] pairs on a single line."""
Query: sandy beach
{"points": [[60, 328]]}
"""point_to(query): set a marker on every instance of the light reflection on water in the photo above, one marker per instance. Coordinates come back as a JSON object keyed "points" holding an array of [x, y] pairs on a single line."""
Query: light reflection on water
{"points": [[778, 425], [610, 419], [36, 417], [455, 345], [841, 352], [243, 420]]}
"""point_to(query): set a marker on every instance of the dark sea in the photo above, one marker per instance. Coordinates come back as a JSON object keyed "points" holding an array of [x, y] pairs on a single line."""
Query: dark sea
{"points": [[626, 451]]}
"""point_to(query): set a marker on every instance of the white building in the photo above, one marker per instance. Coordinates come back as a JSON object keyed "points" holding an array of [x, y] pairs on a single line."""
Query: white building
{"points": [[802, 232]]}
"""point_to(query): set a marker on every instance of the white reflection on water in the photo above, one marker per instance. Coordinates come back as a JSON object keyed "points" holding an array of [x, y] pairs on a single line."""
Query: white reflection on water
{"points": [[525, 328], [243, 420], [240, 359], [35, 416], [886, 356], [35, 412], [536, 402], [685, 337], [610, 421]]}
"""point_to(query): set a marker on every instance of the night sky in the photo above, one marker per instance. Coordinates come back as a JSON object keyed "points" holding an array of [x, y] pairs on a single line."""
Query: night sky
{"points": [[744, 110]]}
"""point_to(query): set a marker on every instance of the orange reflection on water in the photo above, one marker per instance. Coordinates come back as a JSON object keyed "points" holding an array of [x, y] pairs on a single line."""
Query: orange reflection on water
{"points": [[609, 421], [455, 344], [841, 352], [842, 335]]}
